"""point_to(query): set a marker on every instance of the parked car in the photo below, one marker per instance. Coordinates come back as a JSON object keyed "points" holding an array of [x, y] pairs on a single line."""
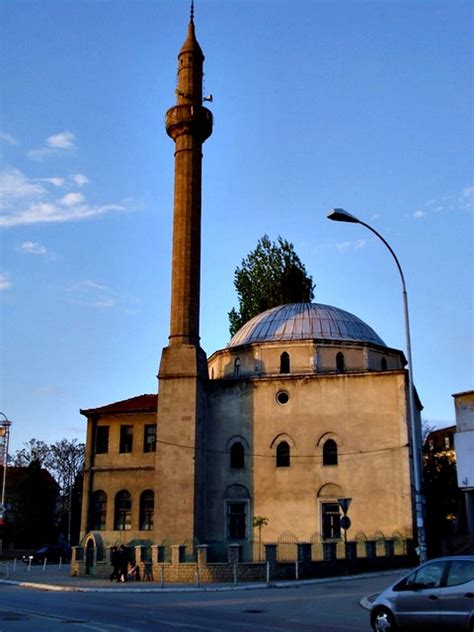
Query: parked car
{"points": [[51, 552], [438, 595]]}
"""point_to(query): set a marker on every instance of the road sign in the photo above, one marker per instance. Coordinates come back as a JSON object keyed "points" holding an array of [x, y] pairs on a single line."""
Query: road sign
{"points": [[344, 504], [345, 523]]}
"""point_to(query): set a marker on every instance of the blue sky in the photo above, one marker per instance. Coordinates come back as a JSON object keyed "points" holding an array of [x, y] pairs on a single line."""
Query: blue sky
{"points": [[353, 104]]}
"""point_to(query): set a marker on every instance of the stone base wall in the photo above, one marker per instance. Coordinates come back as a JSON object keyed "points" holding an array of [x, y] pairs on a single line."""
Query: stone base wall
{"points": [[179, 571]]}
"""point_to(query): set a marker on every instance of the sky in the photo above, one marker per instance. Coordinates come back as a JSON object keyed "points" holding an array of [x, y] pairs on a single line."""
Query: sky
{"points": [[364, 105]]}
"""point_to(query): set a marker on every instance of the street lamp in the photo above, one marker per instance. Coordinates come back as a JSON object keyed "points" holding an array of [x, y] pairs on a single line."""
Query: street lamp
{"points": [[4, 436], [340, 215]]}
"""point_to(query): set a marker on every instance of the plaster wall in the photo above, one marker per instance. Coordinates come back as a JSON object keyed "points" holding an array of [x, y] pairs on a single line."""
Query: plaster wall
{"points": [[364, 413]]}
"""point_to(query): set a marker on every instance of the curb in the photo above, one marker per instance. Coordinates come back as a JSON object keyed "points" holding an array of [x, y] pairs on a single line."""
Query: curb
{"points": [[365, 603]]}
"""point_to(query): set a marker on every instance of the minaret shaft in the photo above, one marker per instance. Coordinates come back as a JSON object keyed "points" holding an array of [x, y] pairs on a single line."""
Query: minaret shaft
{"points": [[189, 124]]}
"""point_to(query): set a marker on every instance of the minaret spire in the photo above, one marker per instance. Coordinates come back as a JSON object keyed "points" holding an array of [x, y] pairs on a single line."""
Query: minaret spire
{"points": [[192, 11]]}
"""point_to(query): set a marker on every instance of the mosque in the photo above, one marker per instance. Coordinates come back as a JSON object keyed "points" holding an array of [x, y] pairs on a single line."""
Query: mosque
{"points": [[305, 406]]}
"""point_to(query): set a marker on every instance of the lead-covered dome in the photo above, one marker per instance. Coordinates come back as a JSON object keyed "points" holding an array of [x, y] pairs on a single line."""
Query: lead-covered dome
{"points": [[305, 321]]}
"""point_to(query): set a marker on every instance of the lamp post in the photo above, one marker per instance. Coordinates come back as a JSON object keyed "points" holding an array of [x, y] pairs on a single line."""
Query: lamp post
{"points": [[340, 215], [4, 436]]}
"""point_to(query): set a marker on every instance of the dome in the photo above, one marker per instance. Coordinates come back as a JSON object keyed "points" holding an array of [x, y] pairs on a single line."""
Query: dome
{"points": [[305, 321]]}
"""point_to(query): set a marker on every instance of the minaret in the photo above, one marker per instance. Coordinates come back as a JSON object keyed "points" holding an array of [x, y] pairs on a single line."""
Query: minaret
{"points": [[183, 367]]}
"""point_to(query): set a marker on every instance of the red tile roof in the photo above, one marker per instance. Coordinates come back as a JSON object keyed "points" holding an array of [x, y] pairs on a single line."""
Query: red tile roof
{"points": [[138, 404]]}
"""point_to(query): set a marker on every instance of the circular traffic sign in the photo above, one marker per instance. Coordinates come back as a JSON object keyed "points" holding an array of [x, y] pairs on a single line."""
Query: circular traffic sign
{"points": [[345, 522]]}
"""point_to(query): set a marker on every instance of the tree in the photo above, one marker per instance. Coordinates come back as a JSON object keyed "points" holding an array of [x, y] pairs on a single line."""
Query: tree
{"points": [[269, 276], [258, 522], [34, 450], [66, 460]]}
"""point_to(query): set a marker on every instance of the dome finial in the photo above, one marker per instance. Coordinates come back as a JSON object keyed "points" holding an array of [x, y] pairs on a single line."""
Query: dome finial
{"points": [[191, 17]]}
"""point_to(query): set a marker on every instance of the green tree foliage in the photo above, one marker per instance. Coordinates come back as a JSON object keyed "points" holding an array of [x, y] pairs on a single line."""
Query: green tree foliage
{"points": [[269, 276], [443, 498]]}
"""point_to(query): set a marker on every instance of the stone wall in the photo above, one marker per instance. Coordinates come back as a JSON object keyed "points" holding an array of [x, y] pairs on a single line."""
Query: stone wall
{"points": [[178, 571]]}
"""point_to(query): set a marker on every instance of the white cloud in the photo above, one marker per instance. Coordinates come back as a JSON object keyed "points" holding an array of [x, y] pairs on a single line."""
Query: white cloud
{"points": [[70, 199], [63, 140], [32, 248], [5, 283], [419, 214], [466, 199], [80, 179], [8, 138], [25, 201], [351, 245], [14, 185], [93, 294], [57, 182], [53, 145]]}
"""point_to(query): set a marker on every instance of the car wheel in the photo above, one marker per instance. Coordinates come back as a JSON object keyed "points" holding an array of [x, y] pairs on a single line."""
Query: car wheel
{"points": [[383, 621]]}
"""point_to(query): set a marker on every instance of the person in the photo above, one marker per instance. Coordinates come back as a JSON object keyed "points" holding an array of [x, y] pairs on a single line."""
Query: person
{"points": [[134, 572], [114, 560], [123, 563]]}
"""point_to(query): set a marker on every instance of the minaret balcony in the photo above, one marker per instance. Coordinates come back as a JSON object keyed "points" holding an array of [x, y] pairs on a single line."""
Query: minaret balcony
{"points": [[189, 119]]}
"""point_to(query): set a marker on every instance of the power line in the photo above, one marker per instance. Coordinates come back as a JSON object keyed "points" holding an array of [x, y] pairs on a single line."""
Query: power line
{"points": [[272, 456]]}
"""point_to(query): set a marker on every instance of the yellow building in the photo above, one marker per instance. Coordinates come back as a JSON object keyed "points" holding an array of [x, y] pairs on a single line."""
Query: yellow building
{"points": [[305, 406]]}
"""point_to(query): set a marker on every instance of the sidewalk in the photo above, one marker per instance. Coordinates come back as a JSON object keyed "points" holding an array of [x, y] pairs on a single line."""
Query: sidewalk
{"points": [[59, 579]]}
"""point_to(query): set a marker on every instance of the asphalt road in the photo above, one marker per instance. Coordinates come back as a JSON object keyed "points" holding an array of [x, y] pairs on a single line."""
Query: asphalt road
{"points": [[326, 607]]}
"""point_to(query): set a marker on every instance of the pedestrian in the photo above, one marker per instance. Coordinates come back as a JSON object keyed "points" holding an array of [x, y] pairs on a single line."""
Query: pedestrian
{"points": [[123, 563], [134, 572], [114, 560]]}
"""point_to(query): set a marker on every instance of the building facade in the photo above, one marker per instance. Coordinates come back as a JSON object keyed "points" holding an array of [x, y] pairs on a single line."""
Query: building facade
{"points": [[306, 405]]}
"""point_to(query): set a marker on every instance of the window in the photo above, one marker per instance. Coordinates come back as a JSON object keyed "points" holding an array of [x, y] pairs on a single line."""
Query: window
{"points": [[448, 442], [126, 439], [282, 397], [383, 364], [330, 452], [340, 366], [237, 455], [237, 367], [236, 520], [330, 520], [283, 454], [284, 363], [101, 439], [149, 438], [123, 511], [460, 572], [147, 510], [98, 510], [427, 577]]}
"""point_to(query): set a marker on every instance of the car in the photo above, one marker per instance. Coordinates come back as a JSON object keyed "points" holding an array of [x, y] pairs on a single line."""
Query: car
{"points": [[438, 595], [51, 552]]}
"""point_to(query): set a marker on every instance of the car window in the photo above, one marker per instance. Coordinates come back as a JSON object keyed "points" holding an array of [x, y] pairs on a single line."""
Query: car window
{"points": [[460, 572], [428, 576]]}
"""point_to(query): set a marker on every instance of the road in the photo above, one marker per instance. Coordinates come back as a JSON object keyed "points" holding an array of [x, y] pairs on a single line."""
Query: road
{"points": [[326, 607]]}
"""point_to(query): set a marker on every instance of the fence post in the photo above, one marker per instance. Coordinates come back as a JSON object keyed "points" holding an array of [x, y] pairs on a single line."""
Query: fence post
{"points": [[198, 582], [235, 574], [14, 565], [45, 561], [268, 573]]}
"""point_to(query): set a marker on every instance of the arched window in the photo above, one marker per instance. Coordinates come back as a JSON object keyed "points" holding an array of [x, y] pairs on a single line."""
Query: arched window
{"points": [[237, 367], [237, 455], [330, 452], [99, 510], [123, 511], [340, 367], [147, 510], [283, 454], [284, 362], [383, 364]]}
